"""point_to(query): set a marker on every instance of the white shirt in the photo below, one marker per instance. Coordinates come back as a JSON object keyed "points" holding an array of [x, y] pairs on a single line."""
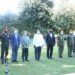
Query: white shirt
{"points": [[51, 35], [38, 40], [16, 35]]}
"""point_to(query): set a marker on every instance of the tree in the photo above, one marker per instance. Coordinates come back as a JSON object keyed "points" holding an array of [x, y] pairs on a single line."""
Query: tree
{"points": [[65, 20], [37, 16]]}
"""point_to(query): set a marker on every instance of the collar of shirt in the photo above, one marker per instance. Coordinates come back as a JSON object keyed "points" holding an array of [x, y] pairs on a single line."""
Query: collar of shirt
{"points": [[51, 35], [15, 35]]}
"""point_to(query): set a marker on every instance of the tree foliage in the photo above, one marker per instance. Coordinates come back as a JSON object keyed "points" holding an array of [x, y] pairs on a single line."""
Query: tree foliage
{"points": [[39, 15], [65, 20]]}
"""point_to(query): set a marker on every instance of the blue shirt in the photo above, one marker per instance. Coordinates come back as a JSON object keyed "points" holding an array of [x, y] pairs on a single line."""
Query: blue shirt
{"points": [[25, 41]]}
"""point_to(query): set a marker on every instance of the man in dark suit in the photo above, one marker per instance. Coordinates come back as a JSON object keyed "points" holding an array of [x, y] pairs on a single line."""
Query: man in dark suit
{"points": [[74, 41], [70, 43], [60, 43], [15, 43], [4, 44], [50, 40]]}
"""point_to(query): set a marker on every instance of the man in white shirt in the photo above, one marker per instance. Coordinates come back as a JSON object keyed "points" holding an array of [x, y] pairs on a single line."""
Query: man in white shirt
{"points": [[38, 42]]}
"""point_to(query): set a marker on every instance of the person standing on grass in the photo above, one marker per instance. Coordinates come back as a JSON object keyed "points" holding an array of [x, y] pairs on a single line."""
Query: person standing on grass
{"points": [[4, 44], [60, 43], [38, 42], [70, 43], [50, 41], [15, 43], [25, 41], [74, 41]]}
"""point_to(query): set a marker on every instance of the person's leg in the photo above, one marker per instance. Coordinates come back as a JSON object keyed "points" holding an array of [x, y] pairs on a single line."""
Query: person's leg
{"points": [[13, 54], [39, 52], [36, 51], [6, 51], [60, 51], [23, 54], [74, 50], [51, 51], [69, 51], [16, 53], [26, 54], [2, 54], [48, 52]]}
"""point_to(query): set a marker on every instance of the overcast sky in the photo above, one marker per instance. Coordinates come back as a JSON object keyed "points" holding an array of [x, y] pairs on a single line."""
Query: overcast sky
{"points": [[13, 6]]}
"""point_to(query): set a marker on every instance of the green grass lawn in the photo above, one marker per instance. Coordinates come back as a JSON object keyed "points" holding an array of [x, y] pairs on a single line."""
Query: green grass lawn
{"points": [[55, 66]]}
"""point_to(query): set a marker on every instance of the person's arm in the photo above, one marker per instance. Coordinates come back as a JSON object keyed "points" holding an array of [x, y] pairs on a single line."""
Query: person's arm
{"points": [[1, 35], [68, 40], [11, 40], [19, 38], [54, 40], [47, 38], [22, 42], [34, 38], [9, 36], [28, 41], [43, 40], [58, 39]]}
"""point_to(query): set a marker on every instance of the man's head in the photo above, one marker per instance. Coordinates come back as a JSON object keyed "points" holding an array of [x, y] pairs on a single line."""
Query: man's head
{"points": [[38, 31], [71, 31], [25, 32], [5, 29], [15, 30], [61, 32], [50, 30]]}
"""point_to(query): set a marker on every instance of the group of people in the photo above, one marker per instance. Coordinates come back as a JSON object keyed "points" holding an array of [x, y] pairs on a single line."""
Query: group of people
{"points": [[70, 40], [15, 39], [7, 39]]}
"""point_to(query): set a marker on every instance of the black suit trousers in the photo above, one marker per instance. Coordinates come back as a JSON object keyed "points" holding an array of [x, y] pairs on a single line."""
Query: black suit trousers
{"points": [[25, 53], [37, 53], [49, 51], [4, 52]]}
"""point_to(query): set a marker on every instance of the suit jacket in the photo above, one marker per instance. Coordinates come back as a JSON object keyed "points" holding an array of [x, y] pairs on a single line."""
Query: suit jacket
{"points": [[70, 40], [5, 40], [50, 40], [60, 40], [74, 44], [15, 41]]}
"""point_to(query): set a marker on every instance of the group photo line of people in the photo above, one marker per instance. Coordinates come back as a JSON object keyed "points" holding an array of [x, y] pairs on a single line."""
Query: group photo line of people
{"points": [[14, 40]]}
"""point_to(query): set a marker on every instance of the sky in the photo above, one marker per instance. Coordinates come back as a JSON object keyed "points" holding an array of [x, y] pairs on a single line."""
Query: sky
{"points": [[59, 4], [13, 6]]}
